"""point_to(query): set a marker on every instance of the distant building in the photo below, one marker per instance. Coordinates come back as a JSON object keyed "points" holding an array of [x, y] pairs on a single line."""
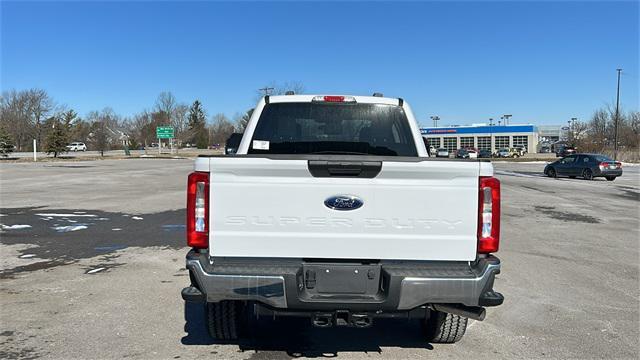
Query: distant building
{"points": [[551, 133], [483, 136]]}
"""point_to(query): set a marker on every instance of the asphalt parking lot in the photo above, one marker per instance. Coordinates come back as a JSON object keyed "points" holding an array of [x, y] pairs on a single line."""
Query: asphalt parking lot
{"points": [[92, 266]]}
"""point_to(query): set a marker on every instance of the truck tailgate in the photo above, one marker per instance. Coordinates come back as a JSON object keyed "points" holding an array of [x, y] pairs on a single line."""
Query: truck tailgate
{"points": [[413, 210]]}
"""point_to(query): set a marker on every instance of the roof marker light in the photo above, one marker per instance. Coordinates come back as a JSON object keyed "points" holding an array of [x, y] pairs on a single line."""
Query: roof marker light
{"points": [[334, 98]]}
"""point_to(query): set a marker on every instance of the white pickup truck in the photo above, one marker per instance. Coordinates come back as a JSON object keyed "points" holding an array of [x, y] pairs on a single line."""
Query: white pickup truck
{"points": [[332, 210]]}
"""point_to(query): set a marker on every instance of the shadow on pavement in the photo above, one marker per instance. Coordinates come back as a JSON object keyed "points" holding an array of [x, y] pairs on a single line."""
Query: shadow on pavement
{"points": [[296, 337]]}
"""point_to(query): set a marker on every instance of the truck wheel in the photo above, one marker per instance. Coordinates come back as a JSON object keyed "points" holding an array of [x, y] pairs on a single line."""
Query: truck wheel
{"points": [[610, 178], [445, 328], [226, 320]]}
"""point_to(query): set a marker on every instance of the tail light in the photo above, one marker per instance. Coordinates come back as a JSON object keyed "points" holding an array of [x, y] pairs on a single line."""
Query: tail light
{"points": [[488, 215], [198, 210], [618, 165], [603, 165]]}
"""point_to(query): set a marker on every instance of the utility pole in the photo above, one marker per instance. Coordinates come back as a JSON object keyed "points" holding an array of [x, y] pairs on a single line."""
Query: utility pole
{"points": [[615, 123], [435, 119], [266, 90]]}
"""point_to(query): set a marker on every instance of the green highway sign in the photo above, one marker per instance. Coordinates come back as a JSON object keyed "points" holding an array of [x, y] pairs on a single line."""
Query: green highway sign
{"points": [[164, 132]]}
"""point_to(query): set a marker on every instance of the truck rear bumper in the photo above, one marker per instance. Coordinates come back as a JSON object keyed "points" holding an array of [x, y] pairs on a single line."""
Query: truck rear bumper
{"points": [[398, 286]]}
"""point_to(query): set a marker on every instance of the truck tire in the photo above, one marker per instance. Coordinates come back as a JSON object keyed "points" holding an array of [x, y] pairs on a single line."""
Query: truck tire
{"points": [[445, 328], [226, 320]]}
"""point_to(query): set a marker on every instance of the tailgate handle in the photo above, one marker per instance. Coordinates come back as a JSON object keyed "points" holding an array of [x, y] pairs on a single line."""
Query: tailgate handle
{"points": [[358, 169]]}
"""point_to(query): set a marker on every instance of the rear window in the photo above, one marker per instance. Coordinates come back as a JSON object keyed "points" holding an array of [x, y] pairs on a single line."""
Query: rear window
{"points": [[602, 158], [336, 128]]}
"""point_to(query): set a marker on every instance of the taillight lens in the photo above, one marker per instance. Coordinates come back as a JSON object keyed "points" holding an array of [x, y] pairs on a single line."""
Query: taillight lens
{"points": [[603, 165], [198, 210], [488, 215], [618, 165]]}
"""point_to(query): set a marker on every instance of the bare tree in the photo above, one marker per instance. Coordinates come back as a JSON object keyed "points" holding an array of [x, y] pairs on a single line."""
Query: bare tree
{"points": [[220, 129], [180, 122], [40, 107], [14, 117], [166, 105], [598, 128]]}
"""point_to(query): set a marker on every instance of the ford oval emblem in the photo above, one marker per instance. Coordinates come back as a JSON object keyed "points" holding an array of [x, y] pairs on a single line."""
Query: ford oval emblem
{"points": [[343, 202]]}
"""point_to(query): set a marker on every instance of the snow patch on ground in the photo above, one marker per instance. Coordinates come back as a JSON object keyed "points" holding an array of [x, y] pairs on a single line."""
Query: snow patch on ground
{"points": [[96, 270], [14, 227], [136, 218], [66, 215], [116, 229], [27, 256], [69, 228]]}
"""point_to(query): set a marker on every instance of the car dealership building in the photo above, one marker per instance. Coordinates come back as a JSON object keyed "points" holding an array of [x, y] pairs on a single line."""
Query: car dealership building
{"points": [[490, 137]]}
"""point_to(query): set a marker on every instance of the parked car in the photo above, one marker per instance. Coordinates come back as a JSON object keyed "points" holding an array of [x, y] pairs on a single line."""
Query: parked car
{"points": [[473, 154], [442, 153], [507, 153], [77, 146], [545, 149], [587, 166], [462, 154], [566, 151], [232, 143], [306, 223], [484, 153], [521, 150]]}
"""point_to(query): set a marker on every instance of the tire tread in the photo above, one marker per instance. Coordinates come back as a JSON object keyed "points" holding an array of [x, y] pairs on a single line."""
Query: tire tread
{"points": [[225, 319], [445, 328]]}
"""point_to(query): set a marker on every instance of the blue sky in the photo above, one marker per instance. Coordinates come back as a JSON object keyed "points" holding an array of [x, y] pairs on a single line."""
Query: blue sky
{"points": [[543, 62]]}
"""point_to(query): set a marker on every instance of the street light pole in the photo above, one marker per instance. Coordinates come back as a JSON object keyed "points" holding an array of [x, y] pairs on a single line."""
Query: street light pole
{"points": [[572, 128], [615, 123], [491, 135], [506, 118], [435, 119]]}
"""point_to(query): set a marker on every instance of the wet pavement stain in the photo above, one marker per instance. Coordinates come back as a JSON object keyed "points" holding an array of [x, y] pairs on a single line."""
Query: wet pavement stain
{"points": [[566, 216], [98, 238]]}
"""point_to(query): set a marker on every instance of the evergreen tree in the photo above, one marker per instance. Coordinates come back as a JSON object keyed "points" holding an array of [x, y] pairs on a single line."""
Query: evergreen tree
{"points": [[197, 125], [242, 124], [57, 137], [6, 143], [68, 118]]}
